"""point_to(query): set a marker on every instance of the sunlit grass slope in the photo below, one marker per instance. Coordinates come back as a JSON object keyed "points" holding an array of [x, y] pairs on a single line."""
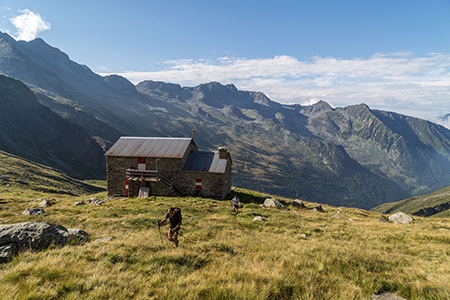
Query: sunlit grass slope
{"points": [[294, 254], [414, 204], [24, 174]]}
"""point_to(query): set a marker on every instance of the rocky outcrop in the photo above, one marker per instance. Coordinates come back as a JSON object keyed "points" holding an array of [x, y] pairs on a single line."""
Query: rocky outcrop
{"points": [[34, 236], [429, 211]]}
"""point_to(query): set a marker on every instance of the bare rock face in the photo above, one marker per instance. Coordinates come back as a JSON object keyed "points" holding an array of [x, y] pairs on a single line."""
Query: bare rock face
{"points": [[29, 235], [400, 217]]}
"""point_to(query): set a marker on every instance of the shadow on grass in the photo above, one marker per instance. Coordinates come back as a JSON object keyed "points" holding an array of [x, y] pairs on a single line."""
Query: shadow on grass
{"points": [[247, 196]]}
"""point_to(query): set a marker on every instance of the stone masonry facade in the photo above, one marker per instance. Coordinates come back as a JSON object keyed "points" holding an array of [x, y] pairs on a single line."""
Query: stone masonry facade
{"points": [[185, 183]]}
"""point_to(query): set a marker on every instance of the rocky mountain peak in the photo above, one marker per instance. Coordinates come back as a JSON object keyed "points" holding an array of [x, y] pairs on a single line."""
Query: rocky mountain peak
{"points": [[315, 109]]}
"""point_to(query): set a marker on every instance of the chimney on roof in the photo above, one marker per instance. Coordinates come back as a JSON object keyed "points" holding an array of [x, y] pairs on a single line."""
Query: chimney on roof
{"points": [[223, 152]]}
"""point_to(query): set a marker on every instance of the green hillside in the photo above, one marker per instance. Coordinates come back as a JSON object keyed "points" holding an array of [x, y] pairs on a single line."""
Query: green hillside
{"points": [[343, 253], [415, 204], [21, 175]]}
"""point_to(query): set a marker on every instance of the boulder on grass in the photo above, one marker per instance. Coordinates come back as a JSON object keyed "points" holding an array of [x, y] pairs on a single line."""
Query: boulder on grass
{"points": [[298, 203], [77, 235], [33, 211], [400, 217], [270, 202], [46, 203], [30, 235], [318, 208]]}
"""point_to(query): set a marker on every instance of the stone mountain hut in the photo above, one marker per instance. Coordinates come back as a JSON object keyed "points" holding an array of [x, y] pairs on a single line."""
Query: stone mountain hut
{"points": [[165, 167]]}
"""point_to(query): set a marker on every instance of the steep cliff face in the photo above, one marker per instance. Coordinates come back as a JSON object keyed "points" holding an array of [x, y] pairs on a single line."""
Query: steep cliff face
{"points": [[33, 131]]}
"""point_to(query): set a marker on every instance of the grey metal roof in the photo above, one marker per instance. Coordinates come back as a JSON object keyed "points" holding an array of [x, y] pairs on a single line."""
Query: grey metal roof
{"points": [[205, 161], [150, 147]]}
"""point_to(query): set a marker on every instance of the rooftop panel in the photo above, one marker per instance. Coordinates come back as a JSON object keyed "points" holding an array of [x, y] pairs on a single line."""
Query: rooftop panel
{"points": [[150, 147]]}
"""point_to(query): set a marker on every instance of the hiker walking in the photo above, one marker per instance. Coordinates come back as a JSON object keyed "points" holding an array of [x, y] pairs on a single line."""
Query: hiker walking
{"points": [[174, 216], [235, 202]]}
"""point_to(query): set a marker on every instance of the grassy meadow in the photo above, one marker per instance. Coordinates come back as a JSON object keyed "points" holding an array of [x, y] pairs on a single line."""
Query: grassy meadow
{"points": [[294, 254]]}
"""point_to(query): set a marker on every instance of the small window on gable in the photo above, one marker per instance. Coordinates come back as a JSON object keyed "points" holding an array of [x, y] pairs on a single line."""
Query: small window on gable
{"points": [[141, 163]]}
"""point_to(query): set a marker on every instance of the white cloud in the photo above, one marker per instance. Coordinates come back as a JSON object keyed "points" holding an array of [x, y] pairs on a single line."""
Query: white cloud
{"points": [[400, 82], [28, 25]]}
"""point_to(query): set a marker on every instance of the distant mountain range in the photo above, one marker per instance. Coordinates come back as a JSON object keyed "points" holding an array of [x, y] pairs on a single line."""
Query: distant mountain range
{"points": [[352, 156]]}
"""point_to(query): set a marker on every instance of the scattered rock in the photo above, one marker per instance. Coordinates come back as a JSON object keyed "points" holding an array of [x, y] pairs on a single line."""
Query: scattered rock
{"points": [[258, 218], [191, 219], [386, 296], [29, 235], [79, 203], [351, 220], [95, 201], [102, 240], [6, 252], [298, 203], [443, 229], [361, 212], [336, 216], [270, 202], [6, 221], [381, 220], [318, 208], [46, 203], [304, 236], [400, 217], [33, 211], [77, 235]]}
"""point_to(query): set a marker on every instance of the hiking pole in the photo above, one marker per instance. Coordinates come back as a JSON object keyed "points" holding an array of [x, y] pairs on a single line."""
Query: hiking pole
{"points": [[186, 238], [159, 229]]}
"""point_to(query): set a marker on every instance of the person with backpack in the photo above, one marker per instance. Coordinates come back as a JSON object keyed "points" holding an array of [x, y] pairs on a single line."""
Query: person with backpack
{"points": [[175, 218], [235, 202]]}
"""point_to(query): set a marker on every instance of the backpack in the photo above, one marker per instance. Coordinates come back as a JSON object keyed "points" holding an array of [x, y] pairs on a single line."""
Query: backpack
{"points": [[178, 213]]}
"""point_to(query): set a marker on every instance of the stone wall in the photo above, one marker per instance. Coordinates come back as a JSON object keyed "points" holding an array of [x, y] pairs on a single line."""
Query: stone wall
{"points": [[215, 185]]}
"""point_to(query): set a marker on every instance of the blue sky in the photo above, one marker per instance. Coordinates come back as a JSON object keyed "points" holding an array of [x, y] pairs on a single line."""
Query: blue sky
{"points": [[392, 55]]}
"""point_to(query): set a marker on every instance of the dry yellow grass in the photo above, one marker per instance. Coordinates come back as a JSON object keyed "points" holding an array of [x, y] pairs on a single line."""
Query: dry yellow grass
{"points": [[228, 257]]}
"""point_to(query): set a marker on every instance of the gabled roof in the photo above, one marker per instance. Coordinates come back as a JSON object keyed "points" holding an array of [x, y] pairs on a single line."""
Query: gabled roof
{"points": [[150, 147], [205, 161]]}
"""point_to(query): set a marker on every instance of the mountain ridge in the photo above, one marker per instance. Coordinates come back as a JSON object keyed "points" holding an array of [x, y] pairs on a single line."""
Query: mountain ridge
{"points": [[352, 155]]}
